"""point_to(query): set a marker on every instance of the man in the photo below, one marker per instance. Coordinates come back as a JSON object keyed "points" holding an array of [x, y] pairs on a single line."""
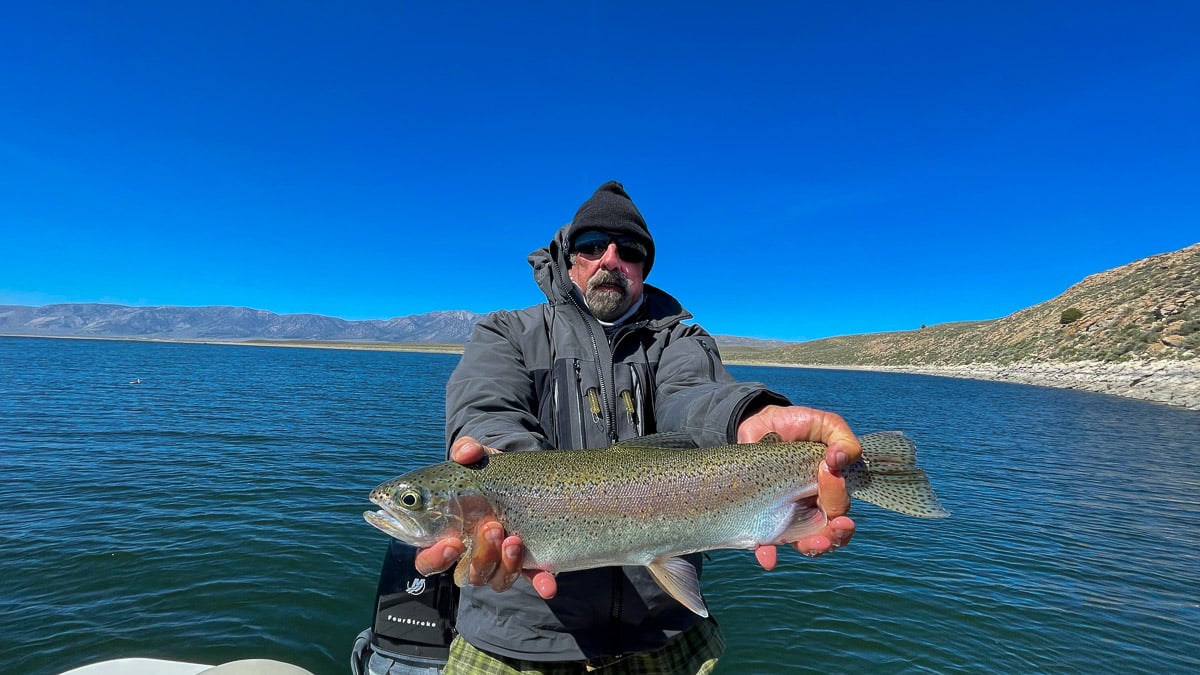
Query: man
{"points": [[604, 359]]}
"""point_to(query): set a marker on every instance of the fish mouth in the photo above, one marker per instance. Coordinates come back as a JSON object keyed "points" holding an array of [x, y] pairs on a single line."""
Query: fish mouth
{"points": [[399, 527], [397, 524]]}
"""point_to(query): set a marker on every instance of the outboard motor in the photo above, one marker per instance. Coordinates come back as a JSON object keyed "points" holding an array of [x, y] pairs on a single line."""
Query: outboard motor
{"points": [[414, 619]]}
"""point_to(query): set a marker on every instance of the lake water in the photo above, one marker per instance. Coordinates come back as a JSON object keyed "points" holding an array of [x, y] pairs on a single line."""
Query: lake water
{"points": [[213, 512]]}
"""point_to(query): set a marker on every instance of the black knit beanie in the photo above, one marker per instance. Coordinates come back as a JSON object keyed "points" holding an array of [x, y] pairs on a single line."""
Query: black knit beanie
{"points": [[611, 210]]}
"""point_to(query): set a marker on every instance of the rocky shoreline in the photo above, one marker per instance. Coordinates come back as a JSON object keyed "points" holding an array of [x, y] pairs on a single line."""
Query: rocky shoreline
{"points": [[1175, 383]]}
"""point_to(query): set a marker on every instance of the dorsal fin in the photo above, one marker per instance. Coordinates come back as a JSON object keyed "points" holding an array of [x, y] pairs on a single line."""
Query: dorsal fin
{"points": [[771, 437], [663, 439]]}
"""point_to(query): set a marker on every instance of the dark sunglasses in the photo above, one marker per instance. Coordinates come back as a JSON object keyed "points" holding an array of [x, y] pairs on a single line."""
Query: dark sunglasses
{"points": [[592, 245]]}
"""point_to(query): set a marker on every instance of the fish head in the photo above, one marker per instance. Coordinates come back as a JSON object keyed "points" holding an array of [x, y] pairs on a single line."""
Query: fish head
{"points": [[427, 505]]}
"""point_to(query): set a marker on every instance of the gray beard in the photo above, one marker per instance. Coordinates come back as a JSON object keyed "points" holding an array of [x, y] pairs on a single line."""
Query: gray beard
{"points": [[606, 302]]}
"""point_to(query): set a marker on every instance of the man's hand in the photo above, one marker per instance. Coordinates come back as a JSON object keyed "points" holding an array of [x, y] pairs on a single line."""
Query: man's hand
{"points": [[495, 559], [795, 423]]}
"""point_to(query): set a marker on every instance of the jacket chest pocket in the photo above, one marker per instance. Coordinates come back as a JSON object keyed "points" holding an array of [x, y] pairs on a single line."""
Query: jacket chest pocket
{"points": [[579, 410], [633, 406], [573, 411]]}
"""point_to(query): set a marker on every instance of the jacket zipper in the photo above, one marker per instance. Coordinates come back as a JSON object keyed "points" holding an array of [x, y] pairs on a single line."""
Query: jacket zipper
{"points": [[712, 360], [581, 441], [610, 421], [614, 625], [611, 428], [634, 402]]}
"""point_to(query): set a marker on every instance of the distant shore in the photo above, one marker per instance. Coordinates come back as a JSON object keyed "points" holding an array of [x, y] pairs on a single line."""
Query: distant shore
{"points": [[1175, 383], [424, 347]]}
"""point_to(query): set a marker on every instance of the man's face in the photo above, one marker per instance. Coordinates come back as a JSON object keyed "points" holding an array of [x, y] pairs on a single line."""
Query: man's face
{"points": [[610, 283]]}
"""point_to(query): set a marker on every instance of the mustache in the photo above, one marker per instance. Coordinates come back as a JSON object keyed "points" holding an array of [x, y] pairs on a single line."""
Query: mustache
{"points": [[608, 278]]}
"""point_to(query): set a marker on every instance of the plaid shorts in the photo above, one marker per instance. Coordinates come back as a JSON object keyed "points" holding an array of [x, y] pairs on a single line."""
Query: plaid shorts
{"points": [[693, 652]]}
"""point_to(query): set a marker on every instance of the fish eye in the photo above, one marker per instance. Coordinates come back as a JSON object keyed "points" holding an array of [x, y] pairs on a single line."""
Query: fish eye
{"points": [[411, 499]]}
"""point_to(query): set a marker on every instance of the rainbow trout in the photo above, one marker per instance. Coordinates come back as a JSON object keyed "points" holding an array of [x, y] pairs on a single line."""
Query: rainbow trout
{"points": [[639, 503]]}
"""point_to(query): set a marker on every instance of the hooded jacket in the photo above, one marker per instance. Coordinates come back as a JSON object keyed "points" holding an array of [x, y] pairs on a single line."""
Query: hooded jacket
{"points": [[549, 376]]}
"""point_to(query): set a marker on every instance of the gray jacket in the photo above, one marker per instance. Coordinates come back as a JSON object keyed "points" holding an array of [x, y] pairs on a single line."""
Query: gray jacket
{"points": [[549, 376]]}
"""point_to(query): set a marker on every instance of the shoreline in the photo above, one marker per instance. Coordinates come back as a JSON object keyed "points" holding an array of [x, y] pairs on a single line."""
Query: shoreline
{"points": [[1173, 383], [420, 347]]}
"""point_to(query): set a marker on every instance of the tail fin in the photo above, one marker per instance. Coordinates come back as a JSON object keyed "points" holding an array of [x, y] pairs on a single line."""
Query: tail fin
{"points": [[888, 476]]}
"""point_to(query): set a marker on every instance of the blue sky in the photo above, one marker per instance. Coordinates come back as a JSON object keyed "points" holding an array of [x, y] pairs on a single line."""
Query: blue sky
{"points": [[807, 168]]}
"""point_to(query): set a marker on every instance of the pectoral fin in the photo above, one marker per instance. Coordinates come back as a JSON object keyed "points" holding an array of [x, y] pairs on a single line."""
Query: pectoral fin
{"points": [[678, 578], [462, 571]]}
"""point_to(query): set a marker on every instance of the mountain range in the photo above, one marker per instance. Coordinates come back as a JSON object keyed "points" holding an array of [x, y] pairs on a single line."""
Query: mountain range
{"points": [[226, 324], [242, 324], [1147, 309]]}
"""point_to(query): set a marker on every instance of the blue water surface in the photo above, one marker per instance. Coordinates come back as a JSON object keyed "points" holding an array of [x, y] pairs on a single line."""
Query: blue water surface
{"points": [[212, 511]]}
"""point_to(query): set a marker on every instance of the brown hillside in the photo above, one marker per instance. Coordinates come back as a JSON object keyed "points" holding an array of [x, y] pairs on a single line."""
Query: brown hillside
{"points": [[1144, 310]]}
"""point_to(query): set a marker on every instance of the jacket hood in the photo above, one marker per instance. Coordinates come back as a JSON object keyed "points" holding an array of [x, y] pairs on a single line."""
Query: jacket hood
{"points": [[550, 266]]}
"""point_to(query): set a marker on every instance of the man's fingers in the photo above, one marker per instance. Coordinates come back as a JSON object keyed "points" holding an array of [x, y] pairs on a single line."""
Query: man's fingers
{"points": [[439, 557], [512, 556], [842, 451], [543, 583], [767, 556], [467, 450], [842, 447], [797, 423], [831, 493], [835, 535], [839, 531], [486, 557], [814, 546]]}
